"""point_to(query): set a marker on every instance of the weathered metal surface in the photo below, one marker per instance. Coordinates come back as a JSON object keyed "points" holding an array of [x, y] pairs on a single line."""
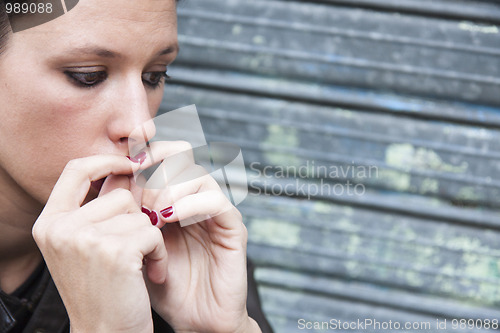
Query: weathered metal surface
{"points": [[401, 97], [346, 46], [481, 10]]}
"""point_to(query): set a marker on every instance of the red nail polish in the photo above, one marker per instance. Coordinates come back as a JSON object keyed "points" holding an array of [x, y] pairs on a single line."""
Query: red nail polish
{"points": [[153, 216], [167, 212], [141, 157], [132, 159], [145, 211]]}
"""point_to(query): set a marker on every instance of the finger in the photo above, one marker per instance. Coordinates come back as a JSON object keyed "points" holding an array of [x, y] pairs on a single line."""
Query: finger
{"points": [[73, 184], [113, 182], [164, 199], [121, 224], [189, 181], [116, 202], [169, 169], [136, 237], [203, 206], [137, 187], [160, 150], [150, 245]]}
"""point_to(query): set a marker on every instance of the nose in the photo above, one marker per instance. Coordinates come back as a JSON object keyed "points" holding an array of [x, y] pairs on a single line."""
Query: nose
{"points": [[130, 121]]}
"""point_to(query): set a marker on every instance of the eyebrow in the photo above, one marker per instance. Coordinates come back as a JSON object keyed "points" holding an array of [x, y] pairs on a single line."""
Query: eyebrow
{"points": [[105, 53]]}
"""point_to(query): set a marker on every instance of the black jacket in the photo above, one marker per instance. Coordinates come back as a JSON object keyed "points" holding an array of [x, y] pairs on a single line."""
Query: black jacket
{"points": [[46, 312]]}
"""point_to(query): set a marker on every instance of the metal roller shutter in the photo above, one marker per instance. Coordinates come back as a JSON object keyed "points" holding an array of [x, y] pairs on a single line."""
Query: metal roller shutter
{"points": [[409, 92]]}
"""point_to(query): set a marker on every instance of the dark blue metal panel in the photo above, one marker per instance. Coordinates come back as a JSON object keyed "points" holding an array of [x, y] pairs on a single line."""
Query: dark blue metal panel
{"points": [[407, 89]]}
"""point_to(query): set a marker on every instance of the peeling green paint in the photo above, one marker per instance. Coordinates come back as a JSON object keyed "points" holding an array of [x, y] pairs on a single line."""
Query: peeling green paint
{"points": [[480, 267], [406, 157], [322, 207], [495, 267], [353, 267], [484, 29], [346, 224], [347, 114], [237, 28], [476, 266], [397, 180], [429, 185], [274, 232], [429, 159], [399, 155], [354, 244], [413, 278], [259, 40], [282, 137], [464, 243], [467, 193]]}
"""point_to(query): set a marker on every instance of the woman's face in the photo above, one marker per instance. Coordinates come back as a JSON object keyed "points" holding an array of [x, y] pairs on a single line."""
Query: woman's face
{"points": [[78, 85]]}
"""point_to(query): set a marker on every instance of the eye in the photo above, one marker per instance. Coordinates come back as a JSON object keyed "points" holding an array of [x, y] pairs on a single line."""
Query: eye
{"points": [[87, 79], [154, 79]]}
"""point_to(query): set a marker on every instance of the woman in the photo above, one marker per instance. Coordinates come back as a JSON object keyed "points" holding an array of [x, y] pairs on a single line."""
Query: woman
{"points": [[72, 90]]}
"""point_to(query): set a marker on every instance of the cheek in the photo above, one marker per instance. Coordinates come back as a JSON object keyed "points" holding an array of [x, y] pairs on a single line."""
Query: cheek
{"points": [[41, 131], [54, 123], [154, 100]]}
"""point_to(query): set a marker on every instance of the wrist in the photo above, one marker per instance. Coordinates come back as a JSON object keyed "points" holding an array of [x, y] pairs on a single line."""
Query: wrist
{"points": [[250, 326], [76, 330], [80, 329], [247, 326]]}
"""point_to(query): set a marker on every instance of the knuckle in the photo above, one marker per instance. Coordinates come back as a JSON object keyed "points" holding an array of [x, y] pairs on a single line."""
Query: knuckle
{"points": [[51, 234], [38, 233], [86, 239], [244, 234], [219, 198], [156, 234], [220, 203], [57, 240], [183, 145], [239, 216], [110, 249], [122, 195], [212, 182], [142, 219], [197, 171], [121, 192]]}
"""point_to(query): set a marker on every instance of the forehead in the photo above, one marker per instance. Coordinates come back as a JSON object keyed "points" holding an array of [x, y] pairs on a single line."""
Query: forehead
{"points": [[114, 22], [136, 11]]}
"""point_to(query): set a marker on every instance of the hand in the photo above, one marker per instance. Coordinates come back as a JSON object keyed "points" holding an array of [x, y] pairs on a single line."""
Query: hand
{"points": [[205, 288], [95, 252]]}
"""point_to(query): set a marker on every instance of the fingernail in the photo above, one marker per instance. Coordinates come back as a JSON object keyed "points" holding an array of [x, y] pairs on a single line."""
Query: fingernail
{"points": [[153, 216], [167, 212], [132, 159], [145, 211], [141, 157]]}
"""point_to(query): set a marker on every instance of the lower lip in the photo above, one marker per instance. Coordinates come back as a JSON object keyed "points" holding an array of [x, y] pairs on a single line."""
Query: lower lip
{"points": [[97, 185]]}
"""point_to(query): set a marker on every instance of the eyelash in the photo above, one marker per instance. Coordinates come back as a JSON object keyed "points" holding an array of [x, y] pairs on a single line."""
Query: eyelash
{"points": [[102, 76]]}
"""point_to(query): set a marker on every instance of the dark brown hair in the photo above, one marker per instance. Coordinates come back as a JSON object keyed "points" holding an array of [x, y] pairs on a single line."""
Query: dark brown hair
{"points": [[4, 27]]}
